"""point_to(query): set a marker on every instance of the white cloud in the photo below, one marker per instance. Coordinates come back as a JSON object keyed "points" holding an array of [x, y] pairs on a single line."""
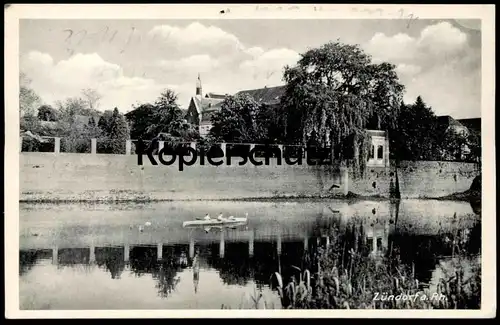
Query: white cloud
{"points": [[435, 41], [196, 38], [174, 57], [407, 70], [438, 65], [255, 51], [66, 78], [272, 61], [226, 65], [395, 48], [448, 91], [194, 33], [198, 63], [442, 38], [38, 57]]}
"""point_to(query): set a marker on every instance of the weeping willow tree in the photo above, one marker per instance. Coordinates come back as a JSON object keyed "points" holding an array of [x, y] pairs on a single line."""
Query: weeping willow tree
{"points": [[335, 92]]}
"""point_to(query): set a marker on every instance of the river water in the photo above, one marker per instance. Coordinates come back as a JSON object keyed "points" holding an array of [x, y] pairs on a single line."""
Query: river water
{"points": [[138, 256]]}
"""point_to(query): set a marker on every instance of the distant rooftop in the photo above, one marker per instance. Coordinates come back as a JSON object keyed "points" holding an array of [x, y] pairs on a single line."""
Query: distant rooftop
{"points": [[215, 96], [471, 123], [267, 95], [204, 104], [446, 120]]}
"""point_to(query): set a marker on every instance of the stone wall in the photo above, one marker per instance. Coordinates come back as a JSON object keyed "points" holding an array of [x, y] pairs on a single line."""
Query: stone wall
{"points": [[49, 176], [430, 179], [59, 176], [418, 179]]}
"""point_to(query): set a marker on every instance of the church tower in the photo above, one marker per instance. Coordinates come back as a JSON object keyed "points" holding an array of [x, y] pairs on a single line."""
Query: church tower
{"points": [[198, 86]]}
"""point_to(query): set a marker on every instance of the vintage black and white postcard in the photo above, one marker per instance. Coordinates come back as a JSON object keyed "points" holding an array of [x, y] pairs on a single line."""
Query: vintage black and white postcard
{"points": [[250, 161]]}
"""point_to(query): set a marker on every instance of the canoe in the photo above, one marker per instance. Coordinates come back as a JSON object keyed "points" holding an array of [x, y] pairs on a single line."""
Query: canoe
{"points": [[215, 222]]}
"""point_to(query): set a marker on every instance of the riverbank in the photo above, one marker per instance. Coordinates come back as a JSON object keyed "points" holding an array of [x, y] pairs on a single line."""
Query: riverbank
{"points": [[139, 197], [133, 197]]}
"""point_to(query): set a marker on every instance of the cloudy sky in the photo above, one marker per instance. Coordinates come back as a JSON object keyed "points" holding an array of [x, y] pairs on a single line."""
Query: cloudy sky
{"points": [[132, 61]]}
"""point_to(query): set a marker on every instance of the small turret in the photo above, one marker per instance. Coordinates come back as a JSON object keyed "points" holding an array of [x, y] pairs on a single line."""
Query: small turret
{"points": [[198, 87]]}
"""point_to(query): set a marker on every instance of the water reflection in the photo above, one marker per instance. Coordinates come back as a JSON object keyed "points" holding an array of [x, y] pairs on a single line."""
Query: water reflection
{"points": [[244, 258], [28, 259], [112, 259]]}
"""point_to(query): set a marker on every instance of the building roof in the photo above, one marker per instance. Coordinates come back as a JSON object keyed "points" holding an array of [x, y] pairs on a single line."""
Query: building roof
{"points": [[471, 123], [212, 103], [134, 111], [216, 96], [205, 104], [266, 95], [446, 121]]}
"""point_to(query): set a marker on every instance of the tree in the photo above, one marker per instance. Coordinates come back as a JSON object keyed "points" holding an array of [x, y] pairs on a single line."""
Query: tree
{"points": [[77, 137], [238, 120], [335, 90], [140, 118], [76, 133], [92, 122], [30, 123], [167, 114], [119, 132], [272, 122], [182, 131], [474, 145], [86, 105], [70, 108], [28, 98], [92, 98], [453, 145], [47, 113], [105, 122], [416, 136]]}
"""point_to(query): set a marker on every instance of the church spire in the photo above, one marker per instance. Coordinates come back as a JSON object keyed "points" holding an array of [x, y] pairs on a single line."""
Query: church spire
{"points": [[198, 86]]}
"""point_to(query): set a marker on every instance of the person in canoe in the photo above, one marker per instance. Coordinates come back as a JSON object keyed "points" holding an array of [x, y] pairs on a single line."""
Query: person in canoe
{"points": [[207, 217], [221, 217]]}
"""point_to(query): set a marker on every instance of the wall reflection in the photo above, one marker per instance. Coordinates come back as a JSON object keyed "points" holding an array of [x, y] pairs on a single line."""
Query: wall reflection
{"points": [[240, 256]]}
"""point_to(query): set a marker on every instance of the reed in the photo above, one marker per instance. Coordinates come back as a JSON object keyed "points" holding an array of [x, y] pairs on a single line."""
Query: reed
{"points": [[340, 279]]}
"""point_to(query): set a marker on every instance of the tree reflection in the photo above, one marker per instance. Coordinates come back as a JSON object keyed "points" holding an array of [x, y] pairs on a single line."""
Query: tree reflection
{"points": [[474, 241], [235, 268], [111, 258], [424, 251], [475, 206], [165, 274], [292, 257], [265, 262], [29, 258], [73, 256], [143, 260]]}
